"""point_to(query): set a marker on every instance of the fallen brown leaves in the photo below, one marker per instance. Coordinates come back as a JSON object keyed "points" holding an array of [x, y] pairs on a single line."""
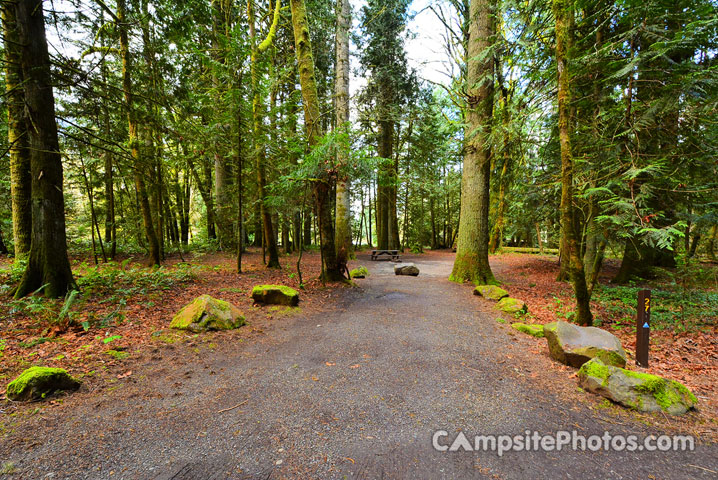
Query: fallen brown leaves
{"points": [[689, 357], [139, 323]]}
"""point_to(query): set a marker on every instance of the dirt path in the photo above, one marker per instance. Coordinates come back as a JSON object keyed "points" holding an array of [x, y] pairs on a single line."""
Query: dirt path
{"points": [[355, 392]]}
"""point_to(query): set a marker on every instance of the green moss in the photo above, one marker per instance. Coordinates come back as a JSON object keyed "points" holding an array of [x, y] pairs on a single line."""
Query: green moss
{"points": [[511, 305], [275, 294], [359, 272], [207, 313], [467, 268], [282, 288], [596, 369], [7, 468], [37, 382], [611, 358], [666, 392], [529, 329], [500, 320], [119, 355], [492, 292]]}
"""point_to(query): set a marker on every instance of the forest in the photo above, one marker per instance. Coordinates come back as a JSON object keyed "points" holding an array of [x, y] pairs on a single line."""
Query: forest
{"points": [[156, 151], [154, 128], [160, 128]]}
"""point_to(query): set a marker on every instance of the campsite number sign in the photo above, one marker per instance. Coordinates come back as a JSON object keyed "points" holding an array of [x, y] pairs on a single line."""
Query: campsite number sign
{"points": [[643, 327]]}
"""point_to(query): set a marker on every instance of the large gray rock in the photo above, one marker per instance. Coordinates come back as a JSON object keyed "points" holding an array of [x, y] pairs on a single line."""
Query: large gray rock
{"points": [[574, 345], [641, 391], [406, 269], [207, 313]]}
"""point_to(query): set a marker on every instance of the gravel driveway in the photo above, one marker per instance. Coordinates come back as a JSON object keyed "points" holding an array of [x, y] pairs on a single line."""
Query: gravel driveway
{"points": [[354, 392]]}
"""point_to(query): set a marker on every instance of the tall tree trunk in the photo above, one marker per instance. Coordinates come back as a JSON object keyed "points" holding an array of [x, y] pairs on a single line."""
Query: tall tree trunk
{"points": [[3, 247], [139, 167], [498, 231], [563, 13], [240, 184], [269, 236], [384, 180], [18, 136], [710, 245], [48, 266], [472, 249], [205, 191], [323, 185], [344, 246], [110, 225]]}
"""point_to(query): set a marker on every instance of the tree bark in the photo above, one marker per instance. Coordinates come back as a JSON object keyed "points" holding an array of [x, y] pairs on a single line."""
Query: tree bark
{"points": [[48, 267], [223, 174], [563, 12], [472, 249], [139, 167], [710, 245], [344, 245], [323, 185], [269, 237], [3, 247], [20, 179]]}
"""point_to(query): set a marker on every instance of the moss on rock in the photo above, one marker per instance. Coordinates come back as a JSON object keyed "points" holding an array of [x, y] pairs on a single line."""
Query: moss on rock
{"points": [[529, 329], [275, 295], [512, 305], [207, 313], [359, 272], [574, 345], [492, 292], [640, 391], [36, 383]]}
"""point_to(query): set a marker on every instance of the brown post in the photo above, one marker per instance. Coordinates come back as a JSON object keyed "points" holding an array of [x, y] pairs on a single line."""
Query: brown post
{"points": [[643, 327]]}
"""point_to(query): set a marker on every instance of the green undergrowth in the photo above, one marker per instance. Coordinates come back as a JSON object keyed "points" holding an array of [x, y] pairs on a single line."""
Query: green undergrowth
{"points": [[111, 286], [673, 309]]}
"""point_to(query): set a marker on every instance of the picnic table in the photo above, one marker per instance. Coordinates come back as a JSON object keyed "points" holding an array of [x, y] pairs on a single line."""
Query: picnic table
{"points": [[393, 254]]}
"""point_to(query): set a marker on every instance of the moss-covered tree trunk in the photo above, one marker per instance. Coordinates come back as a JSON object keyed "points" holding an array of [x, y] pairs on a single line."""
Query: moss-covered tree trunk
{"points": [[563, 11], [20, 180], [323, 187], [48, 266], [223, 171], [132, 130], [498, 231], [110, 223], [260, 161], [343, 238], [472, 249], [710, 245]]}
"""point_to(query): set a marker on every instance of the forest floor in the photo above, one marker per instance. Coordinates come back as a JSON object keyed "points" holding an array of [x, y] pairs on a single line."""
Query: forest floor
{"points": [[351, 383], [684, 321], [126, 308]]}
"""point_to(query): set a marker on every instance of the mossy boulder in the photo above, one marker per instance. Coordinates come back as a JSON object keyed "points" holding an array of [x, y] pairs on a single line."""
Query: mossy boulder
{"points": [[529, 329], [275, 295], [36, 383], [359, 272], [406, 269], [492, 292], [207, 313], [512, 305], [574, 345], [640, 391]]}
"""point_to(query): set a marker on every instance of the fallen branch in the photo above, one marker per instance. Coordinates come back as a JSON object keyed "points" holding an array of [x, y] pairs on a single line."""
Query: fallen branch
{"points": [[700, 468], [232, 408]]}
